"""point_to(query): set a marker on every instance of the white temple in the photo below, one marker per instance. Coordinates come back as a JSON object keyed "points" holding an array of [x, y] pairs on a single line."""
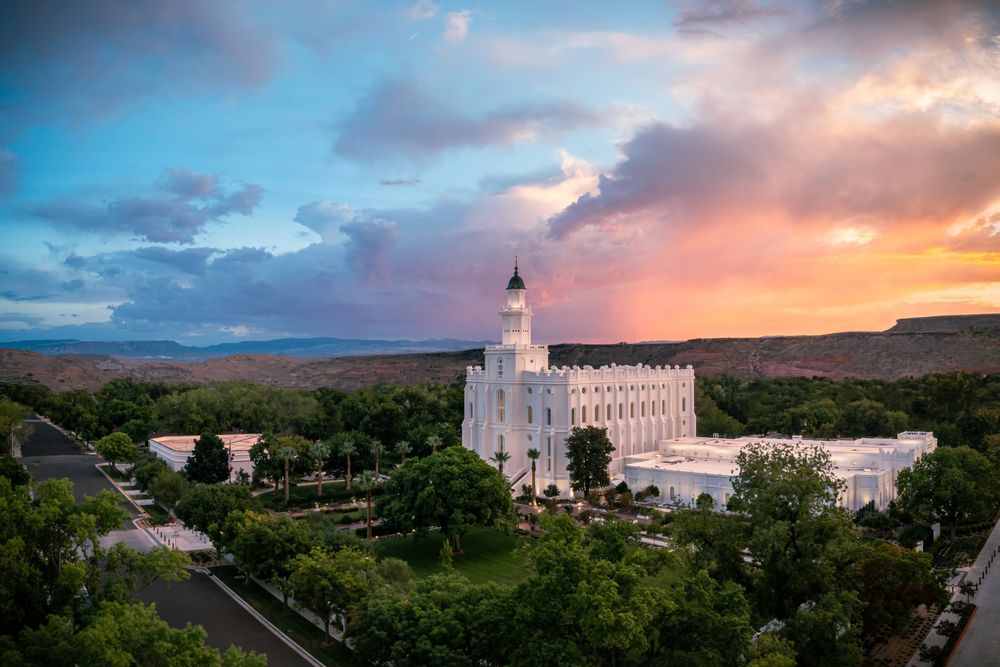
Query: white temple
{"points": [[517, 402]]}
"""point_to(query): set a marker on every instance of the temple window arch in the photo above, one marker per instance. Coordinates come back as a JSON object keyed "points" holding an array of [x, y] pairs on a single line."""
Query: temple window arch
{"points": [[531, 415], [501, 405]]}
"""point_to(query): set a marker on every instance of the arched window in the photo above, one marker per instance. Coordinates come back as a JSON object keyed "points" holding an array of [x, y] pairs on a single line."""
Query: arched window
{"points": [[472, 411], [531, 415], [548, 454], [500, 442], [572, 416], [663, 406], [583, 415], [501, 406], [652, 406], [684, 403], [609, 412], [621, 410], [597, 411], [548, 416], [631, 410], [642, 409], [672, 493]]}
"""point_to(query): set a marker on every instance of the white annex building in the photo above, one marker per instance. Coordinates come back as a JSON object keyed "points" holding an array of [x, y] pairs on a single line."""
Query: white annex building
{"points": [[177, 449], [518, 402]]}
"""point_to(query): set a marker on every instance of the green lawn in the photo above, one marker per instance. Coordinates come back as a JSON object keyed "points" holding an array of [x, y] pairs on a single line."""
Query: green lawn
{"points": [[489, 555], [307, 635]]}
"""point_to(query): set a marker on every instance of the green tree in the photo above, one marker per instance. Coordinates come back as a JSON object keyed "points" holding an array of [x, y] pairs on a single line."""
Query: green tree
{"points": [[444, 620], [12, 469], [12, 424], [500, 458], [951, 484], [318, 452], [825, 631], [403, 448], [209, 462], [336, 584], [116, 447], [346, 445], [579, 608], [266, 546], [369, 481], [891, 582], [205, 508], [533, 454], [789, 495], [771, 650], [288, 449], [588, 451], [375, 447], [130, 571], [453, 489], [168, 488]]}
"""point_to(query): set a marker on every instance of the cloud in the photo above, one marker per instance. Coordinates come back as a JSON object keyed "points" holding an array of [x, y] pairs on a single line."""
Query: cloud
{"points": [[8, 173], [709, 15], [325, 218], [902, 168], [93, 54], [368, 246], [422, 9], [188, 260], [398, 119], [399, 181], [189, 202], [456, 27]]}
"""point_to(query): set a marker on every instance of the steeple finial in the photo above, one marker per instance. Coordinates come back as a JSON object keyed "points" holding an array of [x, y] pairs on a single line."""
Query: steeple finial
{"points": [[515, 265]]}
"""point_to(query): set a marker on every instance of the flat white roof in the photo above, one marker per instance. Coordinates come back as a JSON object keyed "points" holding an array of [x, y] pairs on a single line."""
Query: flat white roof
{"points": [[185, 443], [720, 468]]}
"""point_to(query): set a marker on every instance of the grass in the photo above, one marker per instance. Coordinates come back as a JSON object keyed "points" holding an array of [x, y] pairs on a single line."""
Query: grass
{"points": [[307, 635], [489, 555], [117, 474]]}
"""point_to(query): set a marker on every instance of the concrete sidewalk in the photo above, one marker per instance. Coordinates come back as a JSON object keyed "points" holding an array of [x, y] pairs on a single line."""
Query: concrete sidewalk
{"points": [[980, 644]]}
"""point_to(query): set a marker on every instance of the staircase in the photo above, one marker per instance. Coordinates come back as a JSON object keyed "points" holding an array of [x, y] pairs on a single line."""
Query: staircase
{"points": [[517, 477]]}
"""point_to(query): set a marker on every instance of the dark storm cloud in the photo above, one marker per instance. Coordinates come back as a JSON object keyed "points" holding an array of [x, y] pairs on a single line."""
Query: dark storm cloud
{"points": [[397, 118], [92, 54], [190, 201]]}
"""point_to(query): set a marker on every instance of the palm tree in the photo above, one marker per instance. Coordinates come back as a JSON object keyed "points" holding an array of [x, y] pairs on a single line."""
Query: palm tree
{"points": [[375, 445], [433, 442], [348, 448], [533, 454], [500, 457], [319, 450], [403, 448], [286, 453], [368, 481]]}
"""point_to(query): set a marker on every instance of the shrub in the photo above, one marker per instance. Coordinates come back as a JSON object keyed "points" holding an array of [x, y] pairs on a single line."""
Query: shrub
{"points": [[909, 535], [876, 521]]}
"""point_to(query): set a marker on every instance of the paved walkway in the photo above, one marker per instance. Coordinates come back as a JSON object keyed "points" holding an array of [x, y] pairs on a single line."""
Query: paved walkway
{"points": [[980, 646]]}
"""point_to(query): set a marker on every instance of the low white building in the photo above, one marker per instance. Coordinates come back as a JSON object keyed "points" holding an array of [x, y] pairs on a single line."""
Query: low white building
{"points": [[177, 449], [684, 468]]}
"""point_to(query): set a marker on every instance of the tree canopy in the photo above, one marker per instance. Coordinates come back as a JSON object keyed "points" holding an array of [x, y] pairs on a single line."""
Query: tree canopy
{"points": [[209, 462], [588, 451], [452, 489], [117, 447]]}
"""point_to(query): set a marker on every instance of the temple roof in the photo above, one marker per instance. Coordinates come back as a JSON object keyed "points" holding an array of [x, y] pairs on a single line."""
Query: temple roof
{"points": [[516, 282]]}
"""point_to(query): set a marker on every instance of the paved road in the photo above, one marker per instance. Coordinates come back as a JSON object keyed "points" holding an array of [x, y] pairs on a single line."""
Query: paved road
{"points": [[202, 602], [50, 454], [980, 647]]}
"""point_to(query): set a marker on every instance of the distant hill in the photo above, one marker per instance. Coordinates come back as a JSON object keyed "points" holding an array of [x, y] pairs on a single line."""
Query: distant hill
{"points": [[294, 347], [913, 347]]}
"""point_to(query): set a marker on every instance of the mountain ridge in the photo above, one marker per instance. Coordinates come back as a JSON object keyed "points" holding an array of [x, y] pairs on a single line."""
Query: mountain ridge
{"points": [[914, 347]]}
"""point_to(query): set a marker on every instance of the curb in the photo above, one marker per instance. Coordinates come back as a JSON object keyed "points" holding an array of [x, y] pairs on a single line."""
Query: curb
{"points": [[304, 654], [954, 648], [142, 513]]}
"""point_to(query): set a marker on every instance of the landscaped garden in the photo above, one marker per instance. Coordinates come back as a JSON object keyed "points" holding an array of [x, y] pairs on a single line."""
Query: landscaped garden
{"points": [[488, 555], [306, 496]]}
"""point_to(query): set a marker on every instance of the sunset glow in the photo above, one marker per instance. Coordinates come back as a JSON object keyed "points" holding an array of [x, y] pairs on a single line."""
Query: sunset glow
{"points": [[209, 171]]}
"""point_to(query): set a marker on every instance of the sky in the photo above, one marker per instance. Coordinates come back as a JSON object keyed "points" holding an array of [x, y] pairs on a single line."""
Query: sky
{"points": [[213, 171]]}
